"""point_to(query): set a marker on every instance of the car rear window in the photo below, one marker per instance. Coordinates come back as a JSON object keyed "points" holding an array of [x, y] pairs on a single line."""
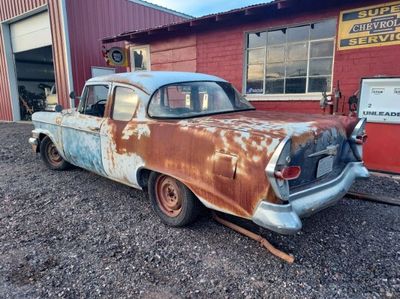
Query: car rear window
{"points": [[191, 99]]}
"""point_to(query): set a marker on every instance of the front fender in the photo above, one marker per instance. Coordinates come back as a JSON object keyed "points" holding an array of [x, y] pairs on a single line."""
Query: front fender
{"points": [[48, 124]]}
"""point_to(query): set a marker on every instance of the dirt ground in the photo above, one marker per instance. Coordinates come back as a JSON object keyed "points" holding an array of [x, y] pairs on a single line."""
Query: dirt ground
{"points": [[75, 234]]}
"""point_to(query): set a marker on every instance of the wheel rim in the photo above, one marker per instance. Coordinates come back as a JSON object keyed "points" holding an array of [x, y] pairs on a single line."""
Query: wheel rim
{"points": [[168, 195], [53, 154]]}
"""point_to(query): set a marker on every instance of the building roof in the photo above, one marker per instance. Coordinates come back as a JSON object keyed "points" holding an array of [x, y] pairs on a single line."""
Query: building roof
{"points": [[162, 8], [151, 81], [272, 9], [250, 10]]}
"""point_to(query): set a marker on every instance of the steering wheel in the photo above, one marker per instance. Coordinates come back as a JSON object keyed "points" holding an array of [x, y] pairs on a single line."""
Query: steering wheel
{"points": [[96, 108]]}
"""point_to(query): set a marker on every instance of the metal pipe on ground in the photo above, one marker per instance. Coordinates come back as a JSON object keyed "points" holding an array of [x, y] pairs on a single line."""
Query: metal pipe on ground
{"points": [[278, 253]]}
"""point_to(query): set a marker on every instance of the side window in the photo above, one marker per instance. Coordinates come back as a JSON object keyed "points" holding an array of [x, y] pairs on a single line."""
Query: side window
{"points": [[126, 101], [94, 100]]}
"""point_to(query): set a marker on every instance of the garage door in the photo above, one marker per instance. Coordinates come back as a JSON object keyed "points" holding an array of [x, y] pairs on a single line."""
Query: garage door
{"points": [[31, 33]]}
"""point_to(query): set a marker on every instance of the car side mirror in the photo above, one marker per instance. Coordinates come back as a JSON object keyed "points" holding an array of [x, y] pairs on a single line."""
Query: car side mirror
{"points": [[58, 108], [72, 95]]}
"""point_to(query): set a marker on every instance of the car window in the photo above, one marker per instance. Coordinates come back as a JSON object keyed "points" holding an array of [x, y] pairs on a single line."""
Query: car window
{"points": [[94, 100], [191, 99], [126, 101]]}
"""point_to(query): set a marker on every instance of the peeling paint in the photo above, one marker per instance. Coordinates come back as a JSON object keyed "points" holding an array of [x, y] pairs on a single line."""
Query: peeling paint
{"points": [[221, 158]]}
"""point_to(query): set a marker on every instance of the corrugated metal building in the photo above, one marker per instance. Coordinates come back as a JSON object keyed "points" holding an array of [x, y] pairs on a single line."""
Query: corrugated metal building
{"points": [[283, 54], [50, 47]]}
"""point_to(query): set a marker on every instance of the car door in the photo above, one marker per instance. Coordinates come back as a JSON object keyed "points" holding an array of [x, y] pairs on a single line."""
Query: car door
{"points": [[81, 129], [122, 134]]}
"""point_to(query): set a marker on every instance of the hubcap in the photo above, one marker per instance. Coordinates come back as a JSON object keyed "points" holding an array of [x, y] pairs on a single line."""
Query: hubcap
{"points": [[53, 154], [168, 195]]}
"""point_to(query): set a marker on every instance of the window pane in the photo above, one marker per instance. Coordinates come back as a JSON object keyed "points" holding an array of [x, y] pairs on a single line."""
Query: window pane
{"points": [[274, 86], [322, 49], [319, 84], [275, 70], [276, 54], [297, 52], [296, 69], [323, 29], [191, 99], [320, 67], [276, 37], [256, 56], [295, 85], [255, 74], [95, 99], [125, 103], [297, 34], [257, 39]]}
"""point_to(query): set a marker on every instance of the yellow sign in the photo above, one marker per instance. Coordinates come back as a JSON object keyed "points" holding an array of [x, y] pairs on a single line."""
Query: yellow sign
{"points": [[371, 26], [117, 56]]}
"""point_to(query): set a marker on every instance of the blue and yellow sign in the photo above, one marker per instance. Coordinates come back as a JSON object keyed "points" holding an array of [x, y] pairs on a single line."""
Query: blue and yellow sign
{"points": [[371, 26]]}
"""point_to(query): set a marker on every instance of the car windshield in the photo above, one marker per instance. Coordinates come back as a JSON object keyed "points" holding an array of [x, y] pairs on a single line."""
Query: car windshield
{"points": [[191, 99]]}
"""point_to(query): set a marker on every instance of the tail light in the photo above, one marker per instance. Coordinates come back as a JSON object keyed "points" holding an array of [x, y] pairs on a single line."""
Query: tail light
{"points": [[361, 139], [288, 173]]}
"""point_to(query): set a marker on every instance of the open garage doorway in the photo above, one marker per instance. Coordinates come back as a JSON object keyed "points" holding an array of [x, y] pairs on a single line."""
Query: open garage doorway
{"points": [[31, 45], [35, 80]]}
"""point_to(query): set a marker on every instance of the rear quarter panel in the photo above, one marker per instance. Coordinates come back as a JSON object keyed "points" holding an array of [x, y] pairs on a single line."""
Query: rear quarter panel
{"points": [[224, 168]]}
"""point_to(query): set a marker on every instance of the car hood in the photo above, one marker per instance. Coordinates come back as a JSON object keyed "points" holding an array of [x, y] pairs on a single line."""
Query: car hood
{"points": [[275, 124]]}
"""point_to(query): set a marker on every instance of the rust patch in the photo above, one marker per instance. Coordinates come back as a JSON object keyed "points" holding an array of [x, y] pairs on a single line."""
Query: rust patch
{"points": [[221, 158]]}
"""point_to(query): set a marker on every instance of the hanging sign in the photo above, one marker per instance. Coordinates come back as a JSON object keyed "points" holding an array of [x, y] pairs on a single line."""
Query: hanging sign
{"points": [[116, 56], [370, 26]]}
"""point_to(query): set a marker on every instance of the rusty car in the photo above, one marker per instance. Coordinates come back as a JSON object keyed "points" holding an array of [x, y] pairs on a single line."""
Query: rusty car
{"points": [[192, 140]]}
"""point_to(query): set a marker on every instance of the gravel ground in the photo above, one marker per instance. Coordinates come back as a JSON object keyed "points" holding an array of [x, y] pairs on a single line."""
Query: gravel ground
{"points": [[75, 234]]}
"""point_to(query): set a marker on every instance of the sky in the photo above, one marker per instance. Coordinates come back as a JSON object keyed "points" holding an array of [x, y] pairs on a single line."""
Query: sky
{"points": [[199, 8]]}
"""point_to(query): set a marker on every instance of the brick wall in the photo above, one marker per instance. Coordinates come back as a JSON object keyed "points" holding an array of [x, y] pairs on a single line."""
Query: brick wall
{"points": [[174, 54], [220, 53]]}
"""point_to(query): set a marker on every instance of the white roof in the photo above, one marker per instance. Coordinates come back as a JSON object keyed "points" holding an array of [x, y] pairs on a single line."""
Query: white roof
{"points": [[151, 81]]}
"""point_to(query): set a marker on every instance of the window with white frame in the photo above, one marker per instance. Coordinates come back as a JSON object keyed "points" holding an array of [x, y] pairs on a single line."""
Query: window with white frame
{"points": [[140, 58], [292, 60]]}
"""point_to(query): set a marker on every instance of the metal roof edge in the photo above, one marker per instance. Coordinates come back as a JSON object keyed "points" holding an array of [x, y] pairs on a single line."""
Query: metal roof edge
{"points": [[162, 8], [247, 10]]}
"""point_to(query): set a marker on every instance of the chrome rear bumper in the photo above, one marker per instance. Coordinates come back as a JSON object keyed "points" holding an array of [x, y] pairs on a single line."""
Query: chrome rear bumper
{"points": [[285, 219]]}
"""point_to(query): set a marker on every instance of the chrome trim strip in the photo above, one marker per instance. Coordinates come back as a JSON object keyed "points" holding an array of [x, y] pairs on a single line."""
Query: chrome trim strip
{"points": [[330, 150], [97, 132], [270, 169], [357, 148]]}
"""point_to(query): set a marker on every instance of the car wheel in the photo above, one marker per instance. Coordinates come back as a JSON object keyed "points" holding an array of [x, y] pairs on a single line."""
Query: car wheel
{"points": [[172, 201], [50, 155]]}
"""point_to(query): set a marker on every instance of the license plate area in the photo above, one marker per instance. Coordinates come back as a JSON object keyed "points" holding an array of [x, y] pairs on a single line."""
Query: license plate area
{"points": [[325, 166]]}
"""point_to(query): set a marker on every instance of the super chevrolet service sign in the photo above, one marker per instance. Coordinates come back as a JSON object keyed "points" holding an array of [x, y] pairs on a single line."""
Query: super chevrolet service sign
{"points": [[371, 26]]}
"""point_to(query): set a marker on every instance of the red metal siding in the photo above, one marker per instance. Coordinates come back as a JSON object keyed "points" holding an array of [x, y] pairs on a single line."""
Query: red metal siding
{"points": [[91, 20], [13, 8], [5, 101], [59, 55]]}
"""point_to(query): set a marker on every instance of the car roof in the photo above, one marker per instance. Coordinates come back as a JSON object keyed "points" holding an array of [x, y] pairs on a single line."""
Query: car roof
{"points": [[150, 81]]}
